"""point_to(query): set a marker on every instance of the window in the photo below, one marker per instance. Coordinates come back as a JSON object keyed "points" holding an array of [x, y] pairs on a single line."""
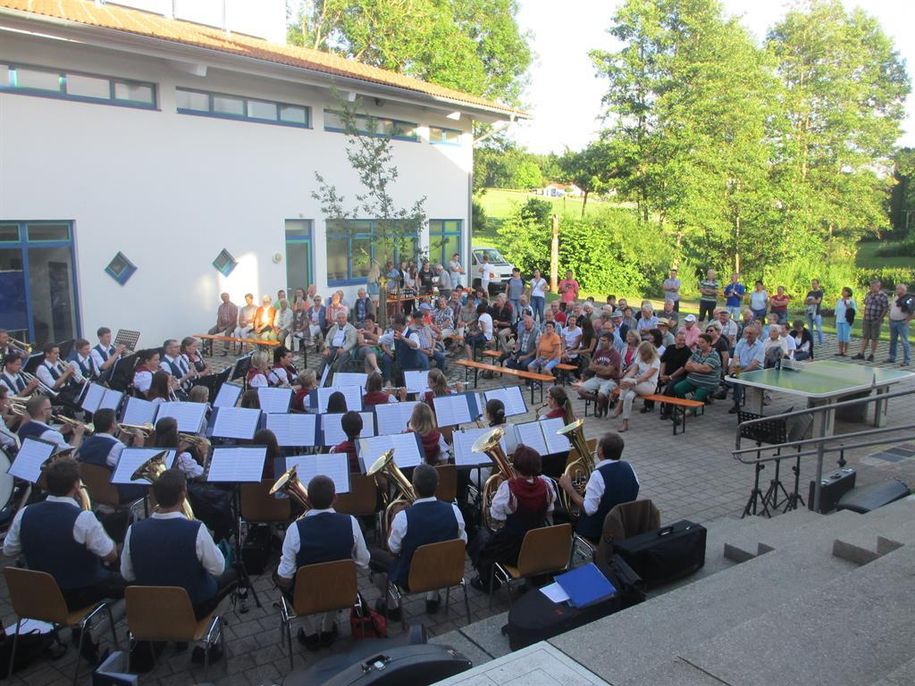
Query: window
{"points": [[299, 263], [440, 136], [60, 83], [120, 268], [240, 108], [353, 244], [372, 126], [9, 233], [48, 232], [224, 262], [445, 239]]}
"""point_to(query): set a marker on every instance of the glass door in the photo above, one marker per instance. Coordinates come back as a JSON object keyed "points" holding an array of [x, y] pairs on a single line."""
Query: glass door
{"points": [[299, 255]]}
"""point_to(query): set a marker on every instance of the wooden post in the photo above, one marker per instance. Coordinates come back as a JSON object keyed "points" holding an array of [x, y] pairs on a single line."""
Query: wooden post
{"points": [[554, 256]]}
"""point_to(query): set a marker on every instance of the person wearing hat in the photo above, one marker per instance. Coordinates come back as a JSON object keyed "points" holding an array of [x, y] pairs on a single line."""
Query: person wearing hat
{"points": [[671, 315], [691, 330], [667, 338], [728, 326]]}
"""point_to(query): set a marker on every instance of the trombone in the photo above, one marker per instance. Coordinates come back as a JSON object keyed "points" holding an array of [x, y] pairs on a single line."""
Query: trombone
{"points": [[144, 430], [61, 419], [22, 345]]}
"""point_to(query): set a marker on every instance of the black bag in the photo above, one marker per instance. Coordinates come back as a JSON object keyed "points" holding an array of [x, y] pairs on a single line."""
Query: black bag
{"points": [[255, 552], [850, 315], [665, 554], [417, 665], [30, 646], [534, 617]]}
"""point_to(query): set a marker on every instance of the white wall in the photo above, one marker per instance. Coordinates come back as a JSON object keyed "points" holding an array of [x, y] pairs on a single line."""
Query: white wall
{"points": [[170, 190]]}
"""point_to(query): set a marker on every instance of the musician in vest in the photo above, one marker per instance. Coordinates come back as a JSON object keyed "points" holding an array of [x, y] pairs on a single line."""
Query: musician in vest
{"points": [[402, 351], [6, 348], [147, 365], [58, 537], [57, 376], [104, 354], [81, 362], [167, 549], [612, 482], [9, 421], [35, 425], [13, 379], [427, 520], [173, 363], [320, 535], [284, 373], [104, 450], [522, 503], [340, 342]]}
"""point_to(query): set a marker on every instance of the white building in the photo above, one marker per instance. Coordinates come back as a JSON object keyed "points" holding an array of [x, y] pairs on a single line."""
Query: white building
{"points": [[135, 148]]}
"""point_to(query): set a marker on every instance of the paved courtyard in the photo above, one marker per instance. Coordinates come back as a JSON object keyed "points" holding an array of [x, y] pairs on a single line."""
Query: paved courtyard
{"points": [[691, 475]]}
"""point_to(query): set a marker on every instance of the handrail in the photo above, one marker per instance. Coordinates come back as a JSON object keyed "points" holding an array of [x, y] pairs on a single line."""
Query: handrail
{"points": [[811, 441]]}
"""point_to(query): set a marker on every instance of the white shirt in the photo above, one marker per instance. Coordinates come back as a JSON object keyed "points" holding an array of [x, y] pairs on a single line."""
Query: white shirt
{"points": [[538, 287], [179, 362], [282, 319], [504, 502], [279, 376], [87, 531], [142, 380], [258, 380], [115, 453], [44, 373], [292, 543], [7, 438], [456, 269], [77, 370], [572, 336], [52, 436], [97, 356], [642, 367], [187, 464], [209, 555], [399, 525], [484, 271], [594, 490], [11, 385], [485, 322]]}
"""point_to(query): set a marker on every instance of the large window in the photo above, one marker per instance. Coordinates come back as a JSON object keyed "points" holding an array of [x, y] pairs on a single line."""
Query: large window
{"points": [[61, 83], [445, 239], [442, 136], [372, 126], [353, 244], [207, 104]]}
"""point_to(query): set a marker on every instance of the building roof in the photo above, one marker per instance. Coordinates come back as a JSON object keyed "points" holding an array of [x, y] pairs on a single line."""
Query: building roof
{"points": [[137, 22]]}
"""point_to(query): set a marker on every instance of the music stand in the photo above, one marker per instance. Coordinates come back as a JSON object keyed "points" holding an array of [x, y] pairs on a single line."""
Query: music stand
{"points": [[121, 374], [212, 382], [66, 347], [241, 367], [127, 338], [32, 362]]}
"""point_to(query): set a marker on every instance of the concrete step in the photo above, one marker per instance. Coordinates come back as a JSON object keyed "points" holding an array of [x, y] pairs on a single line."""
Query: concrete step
{"points": [[487, 634], [904, 675], [455, 639], [745, 541]]}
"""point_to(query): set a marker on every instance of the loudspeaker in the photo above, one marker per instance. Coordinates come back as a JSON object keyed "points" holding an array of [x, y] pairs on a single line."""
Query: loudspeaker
{"points": [[832, 487]]}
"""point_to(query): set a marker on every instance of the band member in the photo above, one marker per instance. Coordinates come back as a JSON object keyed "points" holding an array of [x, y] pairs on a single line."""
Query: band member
{"points": [[402, 350], [284, 373], [612, 482], [58, 537], [81, 361], [306, 382], [9, 421], [422, 423], [173, 363], [166, 436], [250, 400], [559, 404], [267, 438], [321, 535], [438, 387], [161, 388], [258, 373], [35, 425], [53, 373], [226, 320], [105, 354], [522, 503], [191, 356], [147, 365], [495, 412], [374, 395], [13, 379], [166, 549], [104, 450], [5, 346], [351, 423]]}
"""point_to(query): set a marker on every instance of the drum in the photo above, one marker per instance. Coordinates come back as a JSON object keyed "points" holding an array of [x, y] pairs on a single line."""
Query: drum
{"points": [[7, 491]]}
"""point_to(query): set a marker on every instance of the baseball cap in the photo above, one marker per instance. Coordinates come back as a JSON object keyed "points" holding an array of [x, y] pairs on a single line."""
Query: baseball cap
{"points": [[689, 318], [663, 321]]}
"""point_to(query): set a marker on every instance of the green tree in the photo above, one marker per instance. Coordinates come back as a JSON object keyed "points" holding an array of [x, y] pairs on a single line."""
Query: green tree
{"points": [[527, 175], [589, 169], [471, 45]]}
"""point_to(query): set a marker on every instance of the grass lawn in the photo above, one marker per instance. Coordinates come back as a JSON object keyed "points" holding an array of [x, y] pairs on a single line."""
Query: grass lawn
{"points": [[867, 257]]}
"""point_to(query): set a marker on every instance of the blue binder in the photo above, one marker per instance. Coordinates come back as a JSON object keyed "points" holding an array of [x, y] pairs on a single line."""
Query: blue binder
{"points": [[586, 585]]}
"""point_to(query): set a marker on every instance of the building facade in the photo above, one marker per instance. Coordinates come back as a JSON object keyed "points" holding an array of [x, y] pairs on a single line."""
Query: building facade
{"points": [[148, 164]]}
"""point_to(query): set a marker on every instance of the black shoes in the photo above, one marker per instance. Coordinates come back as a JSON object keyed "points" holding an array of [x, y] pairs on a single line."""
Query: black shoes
{"points": [[199, 654], [478, 583], [859, 356], [327, 638], [870, 358], [310, 641], [392, 613], [433, 605]]}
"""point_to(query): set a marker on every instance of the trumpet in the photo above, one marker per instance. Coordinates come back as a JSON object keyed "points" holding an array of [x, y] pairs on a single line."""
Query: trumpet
{"points": [[42, 386], [145, 430], [17, 407], [61, 419], [151, 470], [199, 442], [22, 345]]}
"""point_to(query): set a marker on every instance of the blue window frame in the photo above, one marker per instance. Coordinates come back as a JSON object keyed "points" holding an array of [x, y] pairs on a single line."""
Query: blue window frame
{"points": [[224, 262], [442, 136], [353, 244], [445, 239], [52, 82], [299, 253], [120, 268], [241, 108], [373, 126]]}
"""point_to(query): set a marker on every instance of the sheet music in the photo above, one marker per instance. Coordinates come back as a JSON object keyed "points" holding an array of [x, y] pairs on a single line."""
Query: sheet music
{"points": [[342, 379], [293, 430], [139, 412], [132, 458], [352, 394], [406, 449], [94, 395], [554, 442], [463, 442], [228, 395], [416, 381], [190, 416], [236, 422], [332, 432], [324, 376], [511, 397], [509, 439], [31, 456], [234, 465], [531, 435], [334, 466], [393, 417], [111, 400], [451, 410], [274, 400]]}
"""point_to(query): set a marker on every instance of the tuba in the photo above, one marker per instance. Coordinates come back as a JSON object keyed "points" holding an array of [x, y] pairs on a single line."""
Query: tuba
{"points": [[290, 484], [151, 470], [579, 465], [489, 443], [405, 495]]}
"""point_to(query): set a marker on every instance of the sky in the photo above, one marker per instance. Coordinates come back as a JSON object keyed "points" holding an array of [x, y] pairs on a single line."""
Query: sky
{"points": [[564, 92]]}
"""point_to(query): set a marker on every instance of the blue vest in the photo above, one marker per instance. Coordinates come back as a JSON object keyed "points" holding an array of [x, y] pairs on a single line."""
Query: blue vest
{"points": [[31, 429], [17, 385], [407, 357], [53, 370], [104, 352], [428, 522], [620, 486], [176, 370], [324, 537], [164, 553], [360, 309], [87, 368], [48, 545], [94, 450]]}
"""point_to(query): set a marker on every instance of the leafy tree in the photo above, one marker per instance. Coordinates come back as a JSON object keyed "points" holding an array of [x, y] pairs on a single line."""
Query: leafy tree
{"points": [[526, 175], [472, 45], [589, 169]]}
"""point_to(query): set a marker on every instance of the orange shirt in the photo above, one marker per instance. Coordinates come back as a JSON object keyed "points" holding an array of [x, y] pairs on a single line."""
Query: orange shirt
{"points": [[549, 346]]}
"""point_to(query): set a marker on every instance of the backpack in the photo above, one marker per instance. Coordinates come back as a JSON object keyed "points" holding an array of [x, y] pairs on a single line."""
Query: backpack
{"points": [[850, 315], [907, 303]]}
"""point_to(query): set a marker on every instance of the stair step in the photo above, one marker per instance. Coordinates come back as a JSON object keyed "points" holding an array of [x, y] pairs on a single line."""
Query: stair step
{"points": [[904, 675]]}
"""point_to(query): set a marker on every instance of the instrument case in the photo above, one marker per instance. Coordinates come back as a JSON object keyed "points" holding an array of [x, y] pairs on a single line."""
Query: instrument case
{"points": [[832, 487], [866, 498], [665, 554]]}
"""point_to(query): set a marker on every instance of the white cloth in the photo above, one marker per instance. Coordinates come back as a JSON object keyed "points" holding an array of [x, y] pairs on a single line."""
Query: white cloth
{"points": [[594, 490], [187, 464], [538, 287], [504, 502], [292, 543], [211, 557], [485, 322], [399, 525], [87, 531], [258, 380], [142, 380]]}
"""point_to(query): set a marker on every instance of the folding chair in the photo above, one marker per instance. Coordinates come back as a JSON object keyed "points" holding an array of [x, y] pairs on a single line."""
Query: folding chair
{"points": [[97, 480], [545, 550], [447, 483], [362, 499], [434, 566], [257, 505]]}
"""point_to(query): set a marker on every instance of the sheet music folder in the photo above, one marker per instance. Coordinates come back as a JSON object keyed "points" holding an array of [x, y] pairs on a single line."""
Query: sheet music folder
{"points": [[585, 585], [132, 458], [237, 464], [31, 458]]}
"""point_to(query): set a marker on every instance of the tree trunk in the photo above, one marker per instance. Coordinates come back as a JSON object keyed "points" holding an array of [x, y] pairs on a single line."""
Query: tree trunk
{"points": [[584, 204], [554, 256]]}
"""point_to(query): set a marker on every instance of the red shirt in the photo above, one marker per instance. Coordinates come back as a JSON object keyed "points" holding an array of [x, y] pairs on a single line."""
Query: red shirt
{"points": [[376, 398], [352, 460], [569, 290]]}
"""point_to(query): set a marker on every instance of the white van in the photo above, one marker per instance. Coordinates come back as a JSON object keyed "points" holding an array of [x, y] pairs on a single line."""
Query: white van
{"points": [[500, 267]]}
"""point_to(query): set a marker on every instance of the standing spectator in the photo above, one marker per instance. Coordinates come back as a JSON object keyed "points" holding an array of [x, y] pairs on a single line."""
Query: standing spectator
{"points": [[779, 303], [901, 310], [539, 287], [846, 308], [733, 296], [568, 288], [876, 305], [226, 320], [426, 278], [514, 289], [759, 300], [708, 300], [444, 281], [671, 288], [485, 273], [456, 269], [812, 307]]}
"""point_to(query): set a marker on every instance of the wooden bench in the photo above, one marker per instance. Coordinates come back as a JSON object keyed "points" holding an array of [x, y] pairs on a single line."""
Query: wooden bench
{"points": [[494, 354], [208, 339], [679, 407], [477, 367], [564, 371]]}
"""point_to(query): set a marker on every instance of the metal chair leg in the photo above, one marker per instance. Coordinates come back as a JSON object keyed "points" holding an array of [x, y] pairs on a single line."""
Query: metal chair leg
{"points": [[114, 634], [79, 649], [447, 599], [9, 673], [466, 599]]}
